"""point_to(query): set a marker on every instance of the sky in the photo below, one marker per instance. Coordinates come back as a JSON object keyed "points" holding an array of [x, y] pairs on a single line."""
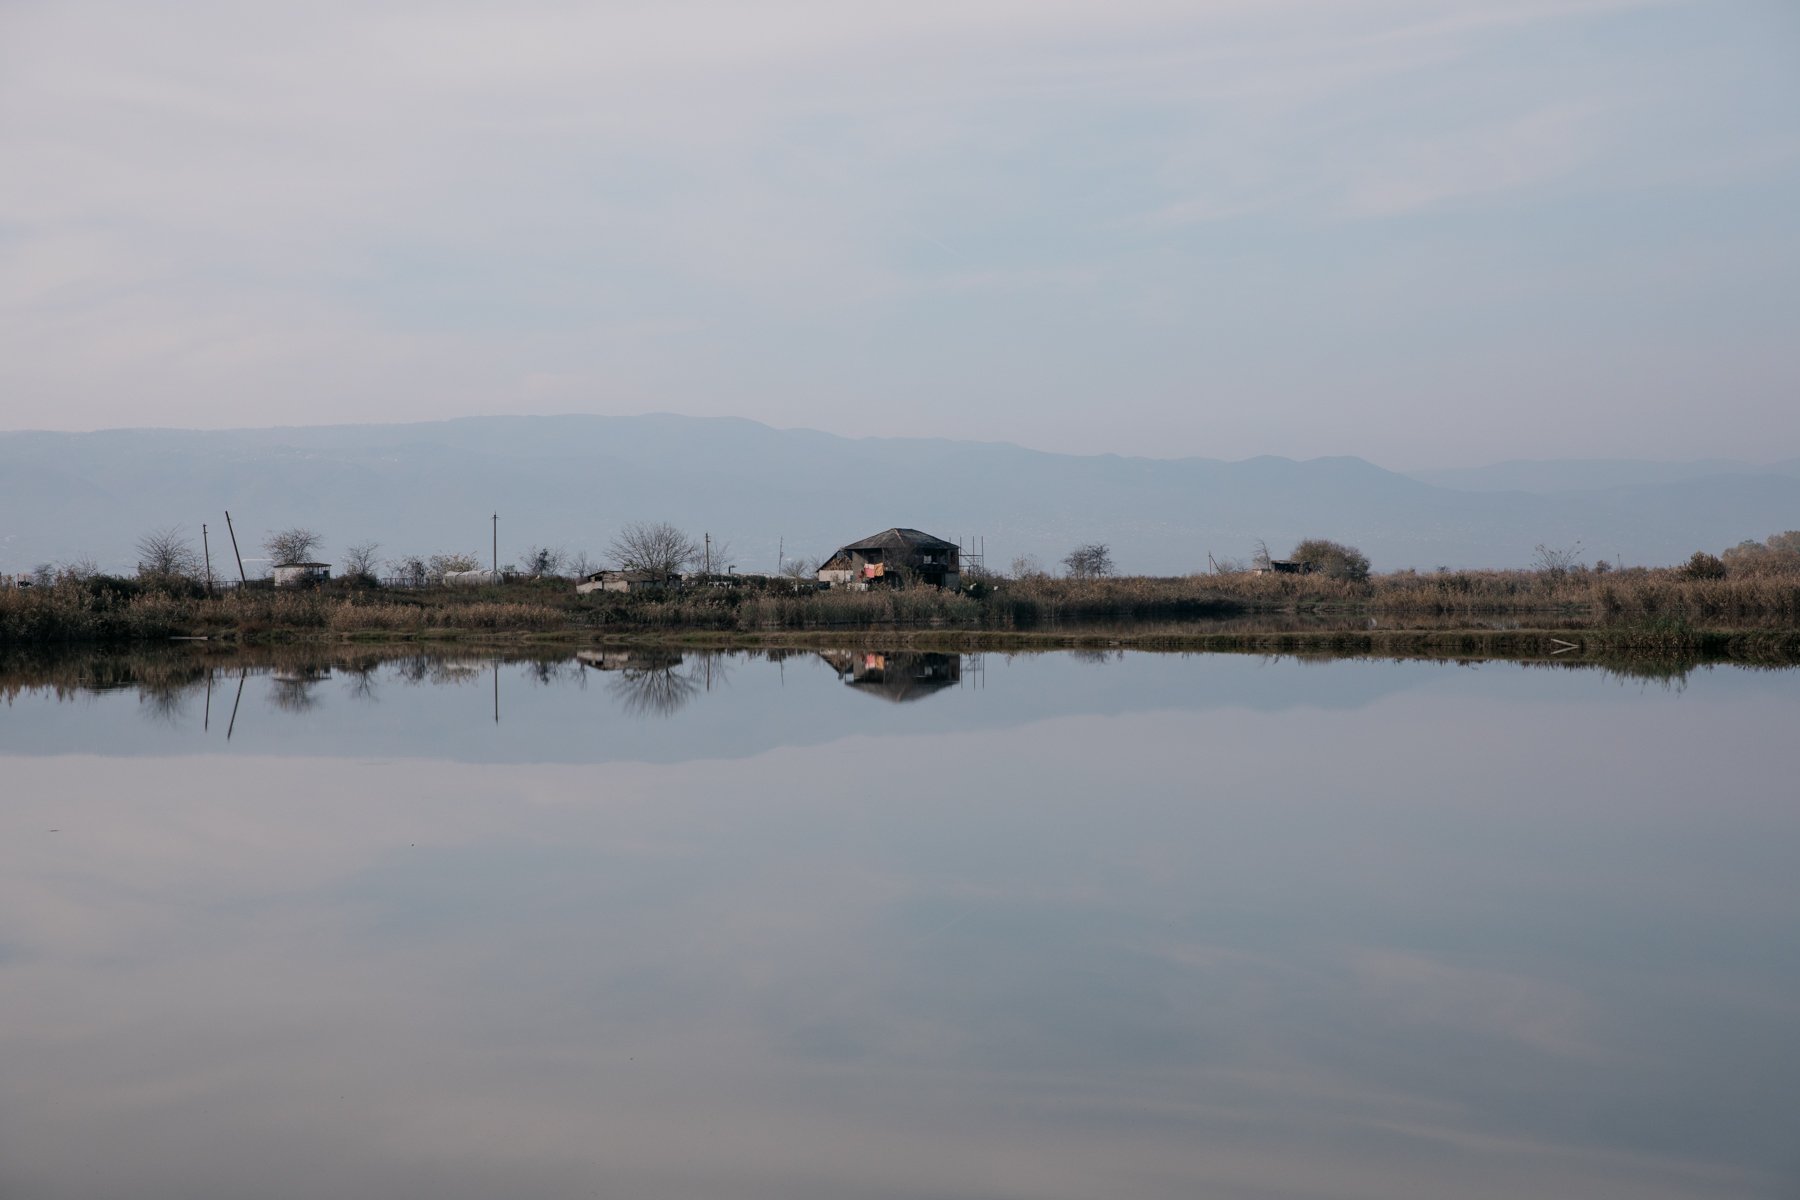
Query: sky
{"points": [[1426, 232]]}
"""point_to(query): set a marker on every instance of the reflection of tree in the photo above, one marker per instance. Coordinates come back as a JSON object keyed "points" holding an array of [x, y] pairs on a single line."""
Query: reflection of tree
{"points": [[362, 677], [545, 672], [292, 689], [653, 691], [165, 700]]}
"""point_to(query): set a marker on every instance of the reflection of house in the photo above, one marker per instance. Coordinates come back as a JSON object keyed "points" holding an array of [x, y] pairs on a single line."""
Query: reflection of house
{"points": [[895, 677], [623, 581], [301, 574], [892, 556], [628, 660]]}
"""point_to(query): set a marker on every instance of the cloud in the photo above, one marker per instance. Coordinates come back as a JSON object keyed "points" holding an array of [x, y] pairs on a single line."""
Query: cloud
{"points": [[421, 208]]}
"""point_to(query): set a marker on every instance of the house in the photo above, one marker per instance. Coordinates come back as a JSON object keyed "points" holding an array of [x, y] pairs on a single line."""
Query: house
{"points": [[1283, 566], [479, 577], [301, 574], [623, 581], [892, 556]]}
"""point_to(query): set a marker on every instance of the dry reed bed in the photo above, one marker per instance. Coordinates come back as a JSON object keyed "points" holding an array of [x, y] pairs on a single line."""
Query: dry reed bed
{"points": [[1659, 605]]}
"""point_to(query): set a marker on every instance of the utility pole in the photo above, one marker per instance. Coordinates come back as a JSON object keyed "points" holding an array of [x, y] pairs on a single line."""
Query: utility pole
{"points": [[496, 549], [206, 549], [706, 567], [242, 578]]}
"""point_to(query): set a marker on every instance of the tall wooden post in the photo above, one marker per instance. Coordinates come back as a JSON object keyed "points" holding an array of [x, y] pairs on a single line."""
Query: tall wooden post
{"points": [[206, 549], [242, 578]]}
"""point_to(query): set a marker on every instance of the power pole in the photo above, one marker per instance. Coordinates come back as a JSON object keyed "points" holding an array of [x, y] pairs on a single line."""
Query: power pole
{"points": [[206, 549], [706, 568], [242, 578], [496, 546]]}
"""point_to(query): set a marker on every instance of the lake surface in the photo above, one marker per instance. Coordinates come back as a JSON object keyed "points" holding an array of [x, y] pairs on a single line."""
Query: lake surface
{"points": [[889, 926]]}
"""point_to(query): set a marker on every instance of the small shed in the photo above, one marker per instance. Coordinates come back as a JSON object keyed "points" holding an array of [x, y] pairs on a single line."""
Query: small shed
{"points": [[623, 581], [301, 574]]}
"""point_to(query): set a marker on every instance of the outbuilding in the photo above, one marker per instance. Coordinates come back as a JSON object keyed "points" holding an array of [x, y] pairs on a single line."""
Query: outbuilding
{"points": [[301, 574], [623, 581]]}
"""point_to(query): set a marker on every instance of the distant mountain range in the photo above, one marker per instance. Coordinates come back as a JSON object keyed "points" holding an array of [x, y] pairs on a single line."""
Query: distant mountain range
{"points": [[572, 481]]}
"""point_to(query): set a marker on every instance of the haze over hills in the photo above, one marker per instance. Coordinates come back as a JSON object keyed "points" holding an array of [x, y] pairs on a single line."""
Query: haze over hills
{"points": [[572, 481], [1548, 476]]}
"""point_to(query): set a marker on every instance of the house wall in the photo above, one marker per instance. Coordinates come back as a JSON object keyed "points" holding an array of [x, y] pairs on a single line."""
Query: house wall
{"points": [[300, 576]]}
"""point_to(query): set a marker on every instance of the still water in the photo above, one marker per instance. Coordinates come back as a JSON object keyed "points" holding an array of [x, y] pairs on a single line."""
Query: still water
{"points": [[867, 926]]}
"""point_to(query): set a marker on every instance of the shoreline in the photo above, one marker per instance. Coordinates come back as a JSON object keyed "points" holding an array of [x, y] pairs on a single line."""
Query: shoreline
{"points": [[1549, 644]]}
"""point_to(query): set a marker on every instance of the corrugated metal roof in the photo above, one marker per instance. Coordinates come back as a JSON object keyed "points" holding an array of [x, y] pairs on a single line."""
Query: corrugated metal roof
{"points": [[902, 539]]}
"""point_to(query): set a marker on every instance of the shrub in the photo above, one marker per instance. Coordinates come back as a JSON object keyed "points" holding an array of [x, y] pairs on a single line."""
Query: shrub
{"points": [[1704, 566], [1333, 559]]}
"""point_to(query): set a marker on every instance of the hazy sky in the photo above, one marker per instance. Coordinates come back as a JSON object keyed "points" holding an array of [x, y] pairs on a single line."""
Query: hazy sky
{"points": [[1422, 231]]}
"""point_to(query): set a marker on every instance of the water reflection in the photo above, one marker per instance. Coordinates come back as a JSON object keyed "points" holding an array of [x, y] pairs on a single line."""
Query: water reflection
{"points": [[1146, 927], [895, 676]]}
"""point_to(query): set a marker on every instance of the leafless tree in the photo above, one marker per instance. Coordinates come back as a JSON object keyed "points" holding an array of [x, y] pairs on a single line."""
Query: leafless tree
{"points": [[715, 556], [1026, 566], [167, 552], [359, 560], [799, 568], [411, 571], [292, 545], [1092, 561], [581, 565], [1557, 561], [439, 565], [545, 562], [659, 548]]}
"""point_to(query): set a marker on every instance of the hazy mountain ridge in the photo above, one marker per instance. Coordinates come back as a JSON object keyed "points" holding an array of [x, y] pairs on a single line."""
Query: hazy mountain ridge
{"points": [[1550, 476], [573, 480]]}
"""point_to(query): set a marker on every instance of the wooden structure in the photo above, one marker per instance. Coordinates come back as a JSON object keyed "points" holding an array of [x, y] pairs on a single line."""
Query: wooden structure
{"points": [[895, 556], [301, 574]]}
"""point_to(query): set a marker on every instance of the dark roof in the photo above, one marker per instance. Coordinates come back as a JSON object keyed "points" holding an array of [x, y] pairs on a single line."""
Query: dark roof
{"points": [[902, 539], [301, 564]]}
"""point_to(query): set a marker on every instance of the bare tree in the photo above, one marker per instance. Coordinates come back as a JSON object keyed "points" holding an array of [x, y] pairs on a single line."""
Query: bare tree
{"points": [[581, 566], [1557, 561], [659, 548], [1026, 566], [440, 565], [1092, 561], [292, 545], [544, 562], [715, 557], [799, 568], [359, 560], [411, 571], [167, 552]]}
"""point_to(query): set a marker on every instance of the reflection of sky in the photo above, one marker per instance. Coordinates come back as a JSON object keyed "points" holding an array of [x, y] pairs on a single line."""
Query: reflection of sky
{"points": [[1471, 933]]}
